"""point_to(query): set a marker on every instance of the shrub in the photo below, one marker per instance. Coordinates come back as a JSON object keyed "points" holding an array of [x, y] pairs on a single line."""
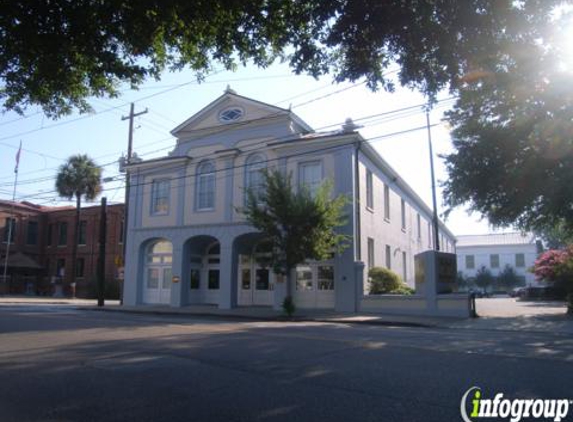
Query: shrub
{"points": [[288, 306], [404, 289], [556, 266], [383, 280]]}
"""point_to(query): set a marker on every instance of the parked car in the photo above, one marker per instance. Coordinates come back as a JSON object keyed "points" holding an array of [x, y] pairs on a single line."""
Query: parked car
{"points": [[518, 292], [479, 293]]}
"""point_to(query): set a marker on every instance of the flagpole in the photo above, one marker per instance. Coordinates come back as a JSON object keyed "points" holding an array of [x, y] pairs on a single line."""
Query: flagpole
{"points": [[12, 214]]}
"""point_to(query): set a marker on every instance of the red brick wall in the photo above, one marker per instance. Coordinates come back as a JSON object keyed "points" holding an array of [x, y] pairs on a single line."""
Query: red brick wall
{"points": [[47, 253]]}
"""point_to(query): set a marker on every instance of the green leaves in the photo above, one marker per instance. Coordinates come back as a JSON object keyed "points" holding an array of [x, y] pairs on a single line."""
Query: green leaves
{"points": [[513, 140], [299, 226], [79, 177], [57, 54]]}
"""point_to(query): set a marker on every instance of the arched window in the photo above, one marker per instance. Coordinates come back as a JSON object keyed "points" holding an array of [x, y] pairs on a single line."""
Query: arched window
{"points": [[253, 173], [205, 198]]}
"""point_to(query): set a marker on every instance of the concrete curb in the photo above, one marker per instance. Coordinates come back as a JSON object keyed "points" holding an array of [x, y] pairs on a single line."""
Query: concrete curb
{"points": [[277, 318]]}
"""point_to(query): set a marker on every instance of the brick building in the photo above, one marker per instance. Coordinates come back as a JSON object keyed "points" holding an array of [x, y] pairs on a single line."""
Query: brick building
{"points": [[41, 247]]}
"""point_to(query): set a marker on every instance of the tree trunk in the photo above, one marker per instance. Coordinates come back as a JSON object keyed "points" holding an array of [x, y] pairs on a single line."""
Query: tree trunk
{"points": [[75, 242], [288, 278]]}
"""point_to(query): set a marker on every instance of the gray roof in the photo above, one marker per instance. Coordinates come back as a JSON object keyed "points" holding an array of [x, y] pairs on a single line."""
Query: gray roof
{"points": [[496, 239]]}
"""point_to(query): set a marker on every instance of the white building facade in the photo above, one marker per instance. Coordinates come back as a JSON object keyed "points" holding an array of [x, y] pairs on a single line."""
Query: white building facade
{"points": [[189, 244], [495, 252]]}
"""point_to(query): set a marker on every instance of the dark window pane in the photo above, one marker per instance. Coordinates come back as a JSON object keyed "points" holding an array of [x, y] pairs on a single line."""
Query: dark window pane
{"points": [[195, 278], [63, 234], [32, 236], [213, 280], [80, 264], [82, 235], [262, 282]]}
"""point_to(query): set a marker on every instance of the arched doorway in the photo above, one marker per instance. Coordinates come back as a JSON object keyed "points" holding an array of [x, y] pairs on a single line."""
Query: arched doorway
{"points": [[158, 271], [204, 257], [256, 279]]}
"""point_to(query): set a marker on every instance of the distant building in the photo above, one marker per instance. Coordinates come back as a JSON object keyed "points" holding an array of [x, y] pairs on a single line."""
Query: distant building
{"points": [[495, 251], [41, 247]]}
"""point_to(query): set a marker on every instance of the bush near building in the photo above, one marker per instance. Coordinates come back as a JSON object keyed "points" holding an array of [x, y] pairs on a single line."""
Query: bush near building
{"points": [[556, 267], [382, 280]]}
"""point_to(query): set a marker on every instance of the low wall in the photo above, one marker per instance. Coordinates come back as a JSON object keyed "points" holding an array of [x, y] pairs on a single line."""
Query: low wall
{"points": [[447, 305]]}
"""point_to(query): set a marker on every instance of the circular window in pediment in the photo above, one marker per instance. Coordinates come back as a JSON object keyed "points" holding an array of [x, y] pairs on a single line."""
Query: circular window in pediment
{"points": [[231, 114]]}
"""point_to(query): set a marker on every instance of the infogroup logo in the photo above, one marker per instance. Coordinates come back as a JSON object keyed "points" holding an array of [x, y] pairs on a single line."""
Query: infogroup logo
{"points": [[512, 409]]}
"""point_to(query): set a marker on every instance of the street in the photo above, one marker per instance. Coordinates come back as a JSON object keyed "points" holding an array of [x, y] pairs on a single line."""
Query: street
{"points": [[63, 364]]}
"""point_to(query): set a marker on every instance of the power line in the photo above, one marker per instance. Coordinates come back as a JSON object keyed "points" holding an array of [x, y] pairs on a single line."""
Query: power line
{"points": [[233, 127], [311, 152]]}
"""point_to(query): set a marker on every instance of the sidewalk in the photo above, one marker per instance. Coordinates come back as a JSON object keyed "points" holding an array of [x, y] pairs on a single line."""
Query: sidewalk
{"points": [[241, 313], [556, 323]]}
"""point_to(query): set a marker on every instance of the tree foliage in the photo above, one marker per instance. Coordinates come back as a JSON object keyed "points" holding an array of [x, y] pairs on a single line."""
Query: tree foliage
{"points": [[79, 177], [508, 278], [484, 278], [57, 53], [556, 266], [513, 134], [298, 225], [382, 280]]}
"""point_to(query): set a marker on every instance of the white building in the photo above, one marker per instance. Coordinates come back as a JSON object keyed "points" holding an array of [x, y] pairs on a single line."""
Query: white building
{"points": [[495, 251], [188, 244]]}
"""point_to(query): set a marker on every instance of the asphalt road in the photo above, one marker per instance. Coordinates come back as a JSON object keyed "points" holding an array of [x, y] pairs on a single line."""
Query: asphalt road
{"points": [[60, 364]]}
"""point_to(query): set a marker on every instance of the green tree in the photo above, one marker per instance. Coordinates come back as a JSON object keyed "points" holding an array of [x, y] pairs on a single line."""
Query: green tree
{"points": [[558, 236], [462, 282], [484, 278], [298, 225], [55, 54], [79, 177], [508, 278], [513, 136]]}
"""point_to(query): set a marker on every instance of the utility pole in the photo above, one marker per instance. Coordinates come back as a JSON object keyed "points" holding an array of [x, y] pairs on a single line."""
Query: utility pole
{"points": [[131, 116], [101, 256], [435, 214]]}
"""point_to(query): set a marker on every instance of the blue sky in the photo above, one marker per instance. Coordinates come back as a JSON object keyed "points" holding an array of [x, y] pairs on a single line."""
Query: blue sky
{"points": [[103, 135]]}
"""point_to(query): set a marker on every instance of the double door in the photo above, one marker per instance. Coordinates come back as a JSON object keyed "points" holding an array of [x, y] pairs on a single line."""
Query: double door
{"points": [[256, 283], [157, 285]]}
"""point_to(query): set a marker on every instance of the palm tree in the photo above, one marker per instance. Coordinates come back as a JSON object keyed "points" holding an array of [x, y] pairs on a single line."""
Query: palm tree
{"points": [[78, 177]]}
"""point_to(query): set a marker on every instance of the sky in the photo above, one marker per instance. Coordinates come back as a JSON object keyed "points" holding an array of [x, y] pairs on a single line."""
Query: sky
{"points": [[324, 105]]}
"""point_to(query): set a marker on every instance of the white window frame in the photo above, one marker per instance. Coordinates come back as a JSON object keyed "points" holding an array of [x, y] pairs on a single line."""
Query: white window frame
{"points": [[155, 190], [254, 164], [315, 184], [386, 202], [371, 253], [369, 189], [517, 263], [206, 176]]}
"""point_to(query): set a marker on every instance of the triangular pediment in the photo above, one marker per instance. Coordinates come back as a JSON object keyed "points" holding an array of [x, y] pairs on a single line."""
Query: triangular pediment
{"points": [[231, 109]]}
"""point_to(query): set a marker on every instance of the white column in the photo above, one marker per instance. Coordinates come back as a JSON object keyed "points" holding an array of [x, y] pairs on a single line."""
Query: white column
{"points": [[227, 276], [177, 288]]}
